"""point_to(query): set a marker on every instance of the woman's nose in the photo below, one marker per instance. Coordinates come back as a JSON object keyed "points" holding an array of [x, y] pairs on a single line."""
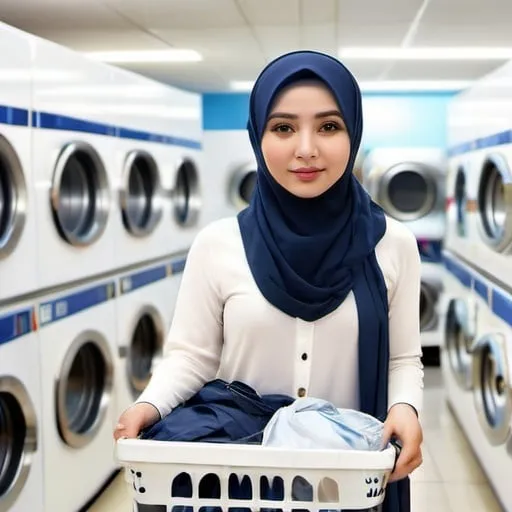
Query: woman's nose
{"points": [[306, 146]]}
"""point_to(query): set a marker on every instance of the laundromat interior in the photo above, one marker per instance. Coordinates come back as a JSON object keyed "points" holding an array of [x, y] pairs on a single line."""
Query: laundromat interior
{"points": [[123, 133]]}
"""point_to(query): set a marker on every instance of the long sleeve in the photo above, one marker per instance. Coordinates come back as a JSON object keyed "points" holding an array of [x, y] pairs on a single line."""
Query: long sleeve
{"points": [[194, 343], [405, 367]]}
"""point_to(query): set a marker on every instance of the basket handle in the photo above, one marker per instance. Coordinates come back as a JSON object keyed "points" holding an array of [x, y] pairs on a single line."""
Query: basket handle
{"points": [[398, 449]]}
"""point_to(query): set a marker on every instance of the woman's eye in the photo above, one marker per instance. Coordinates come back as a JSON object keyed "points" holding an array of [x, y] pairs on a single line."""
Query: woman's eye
{"points": [[330, 127], [281, 128]]}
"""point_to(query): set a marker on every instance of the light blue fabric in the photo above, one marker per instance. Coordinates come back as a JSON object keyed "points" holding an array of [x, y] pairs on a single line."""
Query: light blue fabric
{"points": [[317, 424]]}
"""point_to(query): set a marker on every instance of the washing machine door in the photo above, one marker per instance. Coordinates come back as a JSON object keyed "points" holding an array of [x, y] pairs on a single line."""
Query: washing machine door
{"points": [[429, 297], [145, 350], [84, 388], [13, 198], [492, 389], [495, 203], [141, 194], [80, 195], [461, 200], [408, 191], [241, 185], [186, 194], [460, 332], [18, 439]]}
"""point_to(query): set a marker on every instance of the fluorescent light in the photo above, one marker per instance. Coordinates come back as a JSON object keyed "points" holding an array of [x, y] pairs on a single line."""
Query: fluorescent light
{"points": [[386, 85], [173, 55], [242, 85], [414, 85], [426, 53]]}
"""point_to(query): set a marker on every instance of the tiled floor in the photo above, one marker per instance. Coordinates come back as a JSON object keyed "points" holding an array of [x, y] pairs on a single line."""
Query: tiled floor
{"points": [[450, 479]]}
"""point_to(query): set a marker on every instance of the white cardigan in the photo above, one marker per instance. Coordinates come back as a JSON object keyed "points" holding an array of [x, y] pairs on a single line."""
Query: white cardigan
{"points": [[223, 327]]}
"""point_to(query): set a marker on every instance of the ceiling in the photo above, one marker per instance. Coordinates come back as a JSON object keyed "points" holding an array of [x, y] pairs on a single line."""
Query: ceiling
{"points": [[238, 37]]}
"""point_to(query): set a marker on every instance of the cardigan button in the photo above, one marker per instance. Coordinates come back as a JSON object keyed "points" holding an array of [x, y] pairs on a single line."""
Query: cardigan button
{"points": [[301, 392], [304, 356]]}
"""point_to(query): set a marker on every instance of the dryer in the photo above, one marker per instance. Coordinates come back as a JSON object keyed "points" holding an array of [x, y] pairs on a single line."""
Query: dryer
{"points": [[491, 219], [477, 384], [77, 340], [17, 216], [461, 238], [479, 133], [145, 308], [492, 370], [157, 127], [233, 171], [72, 161], [409, 184], [21, 457], [461, 307]]}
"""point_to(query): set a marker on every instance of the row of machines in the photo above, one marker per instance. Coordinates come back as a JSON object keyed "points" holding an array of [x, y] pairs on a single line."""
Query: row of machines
{"points": [[102, 191], [477, 348]]}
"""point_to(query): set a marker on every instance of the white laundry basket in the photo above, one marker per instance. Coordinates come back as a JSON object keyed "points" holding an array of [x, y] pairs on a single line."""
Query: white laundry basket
{"points": [[346, 479]]}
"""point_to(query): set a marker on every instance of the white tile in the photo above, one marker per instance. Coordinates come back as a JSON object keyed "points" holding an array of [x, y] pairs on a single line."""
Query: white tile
{"points": [[474, 497], [115, 498], [429, 497], [453, 457]]}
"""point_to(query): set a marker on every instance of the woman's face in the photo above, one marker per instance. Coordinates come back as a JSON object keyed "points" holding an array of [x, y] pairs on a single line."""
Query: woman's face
{"points": [[305, 143]]}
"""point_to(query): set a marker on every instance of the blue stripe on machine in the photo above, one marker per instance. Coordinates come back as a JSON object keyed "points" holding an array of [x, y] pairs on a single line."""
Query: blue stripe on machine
{"points": [[502, 306], [496, 139], [143, 278], [125, 133], [14, 116], [482, 289], [20, 117], [16, 324], [60, 122], [68, 305], [177, 266], [463, 275]]}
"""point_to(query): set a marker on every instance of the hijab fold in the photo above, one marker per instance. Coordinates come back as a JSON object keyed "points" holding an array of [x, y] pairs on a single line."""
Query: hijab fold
{"points": [[307, 254]]}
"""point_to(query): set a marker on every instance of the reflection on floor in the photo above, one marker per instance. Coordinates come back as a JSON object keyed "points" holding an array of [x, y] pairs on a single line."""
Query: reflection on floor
{"points": [[450, 479]]}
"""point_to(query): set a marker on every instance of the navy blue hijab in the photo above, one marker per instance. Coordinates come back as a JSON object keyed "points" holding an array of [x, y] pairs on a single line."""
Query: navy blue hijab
{"points": [[307, 254]]}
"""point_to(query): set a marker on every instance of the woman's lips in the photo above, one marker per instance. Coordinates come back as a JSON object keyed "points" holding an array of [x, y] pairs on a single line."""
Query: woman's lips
{"points": [[307, 173]]}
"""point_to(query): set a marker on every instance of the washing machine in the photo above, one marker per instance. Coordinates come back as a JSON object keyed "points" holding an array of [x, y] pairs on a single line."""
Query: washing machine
{"points": [[476, 369], [492, 392], [461, 306], [157, 126], [21, 457], [77, 343], [460, 237], [409, 184], [491, 218], [233, 173], [145, 308], [73, 147], [17, 216]]}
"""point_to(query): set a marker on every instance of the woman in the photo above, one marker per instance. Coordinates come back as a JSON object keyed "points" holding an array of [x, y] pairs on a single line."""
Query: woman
{"points": [[311, 290]]}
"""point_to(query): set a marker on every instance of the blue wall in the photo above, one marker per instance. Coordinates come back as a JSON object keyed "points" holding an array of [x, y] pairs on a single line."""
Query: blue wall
{"points": [[415, 119]]}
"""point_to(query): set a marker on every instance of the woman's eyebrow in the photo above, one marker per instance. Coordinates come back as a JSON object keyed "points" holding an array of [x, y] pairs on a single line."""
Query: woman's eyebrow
{"points": [[287, 115]]}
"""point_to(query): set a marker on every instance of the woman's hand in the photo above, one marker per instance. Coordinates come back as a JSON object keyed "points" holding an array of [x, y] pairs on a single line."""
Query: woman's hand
{"points": [[403, 423], [134, 419]]}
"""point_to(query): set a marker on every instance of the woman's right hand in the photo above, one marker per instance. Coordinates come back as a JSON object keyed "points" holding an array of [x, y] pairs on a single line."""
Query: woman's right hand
{"points": [[134, 419]]}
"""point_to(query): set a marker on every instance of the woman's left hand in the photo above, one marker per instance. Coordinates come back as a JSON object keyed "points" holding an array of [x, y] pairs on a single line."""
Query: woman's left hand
{"points": [[403, 424]]}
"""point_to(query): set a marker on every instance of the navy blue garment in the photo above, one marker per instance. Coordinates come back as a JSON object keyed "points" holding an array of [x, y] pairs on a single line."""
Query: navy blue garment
{"points": [[219, 413], [307, 254]]}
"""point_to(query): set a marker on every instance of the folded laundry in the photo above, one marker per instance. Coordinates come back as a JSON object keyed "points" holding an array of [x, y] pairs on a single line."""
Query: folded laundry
{"points": [[317, 424]]}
